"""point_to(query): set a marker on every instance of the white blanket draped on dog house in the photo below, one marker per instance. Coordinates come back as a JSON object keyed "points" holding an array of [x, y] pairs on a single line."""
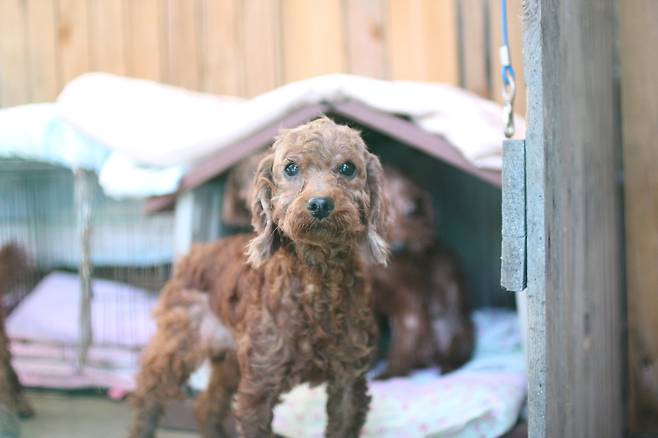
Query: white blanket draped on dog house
{"points": [[152, 125]]}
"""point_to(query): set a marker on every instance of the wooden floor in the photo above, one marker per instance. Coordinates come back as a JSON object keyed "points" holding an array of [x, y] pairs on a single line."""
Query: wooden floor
{"points": [[63, 415]]}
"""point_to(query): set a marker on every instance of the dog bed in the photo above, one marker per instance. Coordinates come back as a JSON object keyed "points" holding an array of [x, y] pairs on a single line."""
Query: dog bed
{"points": [[482, 399]]}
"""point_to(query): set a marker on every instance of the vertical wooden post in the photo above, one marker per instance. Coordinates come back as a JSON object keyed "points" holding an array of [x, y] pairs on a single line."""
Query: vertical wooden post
{"points": [[638, 41], [574, 239], [198, 217], [84, 186]]}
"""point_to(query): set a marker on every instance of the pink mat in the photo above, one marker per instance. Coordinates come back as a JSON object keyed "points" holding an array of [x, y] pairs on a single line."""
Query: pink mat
{"points": [[44, 332]]}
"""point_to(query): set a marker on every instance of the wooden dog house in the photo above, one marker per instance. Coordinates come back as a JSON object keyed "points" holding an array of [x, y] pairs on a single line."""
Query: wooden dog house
{"points": [[467, 198]]}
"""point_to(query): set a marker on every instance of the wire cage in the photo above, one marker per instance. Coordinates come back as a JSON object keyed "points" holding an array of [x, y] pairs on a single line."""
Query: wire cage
{"points": [[71, 232], [36, 199]]}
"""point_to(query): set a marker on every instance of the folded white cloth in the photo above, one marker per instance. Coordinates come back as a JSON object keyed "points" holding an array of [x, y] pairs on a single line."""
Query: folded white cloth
{"points": [[162, 125], [122, 177], [153, 132], [35, 132]]}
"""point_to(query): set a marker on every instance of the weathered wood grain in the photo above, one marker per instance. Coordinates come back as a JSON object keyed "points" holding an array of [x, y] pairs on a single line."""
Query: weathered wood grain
{"points": [[72, 39], [639, 91], [513, 273], [222, 67], [182, 42], [474, 47], [145, 38], [262, 45], [313, 38], [423, 40], [574, 237], [13, 53], [42, 75], [240, 47], [107, 40], [365, 27]]}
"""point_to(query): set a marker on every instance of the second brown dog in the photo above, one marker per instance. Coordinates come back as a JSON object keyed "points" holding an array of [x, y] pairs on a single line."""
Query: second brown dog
{"points": [[422, 291]]}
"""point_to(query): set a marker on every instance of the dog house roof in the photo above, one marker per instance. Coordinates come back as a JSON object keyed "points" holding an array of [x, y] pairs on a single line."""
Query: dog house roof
{"points": [[390, 125]]}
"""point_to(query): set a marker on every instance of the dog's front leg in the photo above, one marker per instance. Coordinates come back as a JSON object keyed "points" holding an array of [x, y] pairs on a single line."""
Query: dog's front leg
{"points": [[214, 405], [254, 403], [347, 407], [172, 354], [11, 392], [411, 344]]}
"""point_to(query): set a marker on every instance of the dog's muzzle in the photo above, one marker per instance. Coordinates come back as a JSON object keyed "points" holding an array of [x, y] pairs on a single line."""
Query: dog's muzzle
{"points": [[320, 208]]}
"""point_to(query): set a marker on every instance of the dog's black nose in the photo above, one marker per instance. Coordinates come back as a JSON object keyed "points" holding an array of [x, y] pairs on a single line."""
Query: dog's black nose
{"points": [[398, 248], [320, 208]]}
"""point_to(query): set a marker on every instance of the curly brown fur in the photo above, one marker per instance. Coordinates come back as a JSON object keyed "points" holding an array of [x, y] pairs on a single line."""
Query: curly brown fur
{"points": [[214, 404], [13, 263], [294, 308], [421, 292]]}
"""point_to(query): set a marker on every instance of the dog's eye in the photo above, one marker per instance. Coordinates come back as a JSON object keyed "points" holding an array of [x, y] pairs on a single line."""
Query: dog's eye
{"points": [[291, 169], [347, 168], [417, 209]]}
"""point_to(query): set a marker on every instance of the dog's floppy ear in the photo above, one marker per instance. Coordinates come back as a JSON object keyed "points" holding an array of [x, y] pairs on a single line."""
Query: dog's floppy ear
{"points": [[378, 214], [261, 247]]}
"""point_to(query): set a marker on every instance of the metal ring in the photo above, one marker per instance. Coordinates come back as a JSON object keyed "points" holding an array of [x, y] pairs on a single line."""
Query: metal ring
{"points": [[509, 88]]}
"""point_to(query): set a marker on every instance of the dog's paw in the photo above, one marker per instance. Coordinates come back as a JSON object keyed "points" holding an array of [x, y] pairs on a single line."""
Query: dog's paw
{"points": [[24, 408]]}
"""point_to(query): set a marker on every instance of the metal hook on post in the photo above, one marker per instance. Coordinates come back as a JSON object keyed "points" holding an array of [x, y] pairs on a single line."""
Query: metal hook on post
{"points": [[508, 76], [509, 92]]}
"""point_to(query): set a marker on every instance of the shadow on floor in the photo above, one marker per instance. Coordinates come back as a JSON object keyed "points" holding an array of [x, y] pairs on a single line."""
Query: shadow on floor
{"points": [[93, 415], [65, 415]]}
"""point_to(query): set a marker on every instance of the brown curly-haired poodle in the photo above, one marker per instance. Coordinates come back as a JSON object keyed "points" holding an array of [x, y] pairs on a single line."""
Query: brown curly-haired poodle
{"points": [[422, 292], [13, 263], [285, 306]]}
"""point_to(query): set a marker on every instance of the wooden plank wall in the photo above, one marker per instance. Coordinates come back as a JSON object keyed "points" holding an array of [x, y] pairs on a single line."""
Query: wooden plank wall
{"points": [[639, 37], [575, 260], [246, 47]]}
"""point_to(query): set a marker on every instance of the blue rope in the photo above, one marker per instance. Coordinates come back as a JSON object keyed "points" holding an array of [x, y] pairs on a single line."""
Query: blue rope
{"points": [[507, 70]]}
